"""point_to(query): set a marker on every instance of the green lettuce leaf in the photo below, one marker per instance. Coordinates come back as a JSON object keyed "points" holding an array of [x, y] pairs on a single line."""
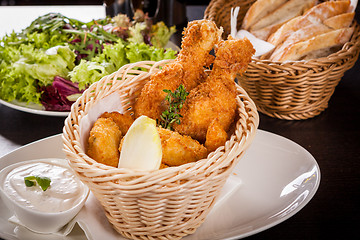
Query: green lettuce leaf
{"points": [[114, 57], [143, 52], [24, 67], [88, 72], [135, 35], [160, 34], [44, 66], [16, 84]]}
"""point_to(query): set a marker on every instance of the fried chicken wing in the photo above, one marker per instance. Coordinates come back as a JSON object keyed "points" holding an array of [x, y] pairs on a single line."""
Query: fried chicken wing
{"points": [[104, 141], [215, 98], [178, 150], [123, 121], [188, 68], [200, 37]]}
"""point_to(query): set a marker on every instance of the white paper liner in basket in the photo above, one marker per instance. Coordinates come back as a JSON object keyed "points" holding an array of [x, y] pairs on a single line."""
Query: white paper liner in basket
{"points": [[168, 203]]}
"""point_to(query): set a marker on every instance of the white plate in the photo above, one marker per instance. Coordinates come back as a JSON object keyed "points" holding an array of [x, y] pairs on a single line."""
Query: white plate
{"points": [[32, 108], [278, 177]]}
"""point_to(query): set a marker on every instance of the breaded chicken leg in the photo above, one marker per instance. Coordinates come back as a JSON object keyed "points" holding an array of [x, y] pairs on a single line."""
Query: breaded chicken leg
{"points": [[215, 98], [188, 68], [216, 136]]}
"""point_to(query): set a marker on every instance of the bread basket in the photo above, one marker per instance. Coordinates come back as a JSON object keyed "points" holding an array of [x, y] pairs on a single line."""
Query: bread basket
{"points": [[294, 90], [163, 204]]}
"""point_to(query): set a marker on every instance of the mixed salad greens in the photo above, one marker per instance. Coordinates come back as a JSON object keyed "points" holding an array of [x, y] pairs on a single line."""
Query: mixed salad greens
{"points": [[56, 58]]}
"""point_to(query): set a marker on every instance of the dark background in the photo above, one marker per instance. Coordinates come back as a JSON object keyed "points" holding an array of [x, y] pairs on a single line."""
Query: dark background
{"points": [[84, 2], [332, 138]]}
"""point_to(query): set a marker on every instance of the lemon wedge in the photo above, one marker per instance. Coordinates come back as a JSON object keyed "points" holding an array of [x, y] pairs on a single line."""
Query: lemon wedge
{"points": [[141, 148]]}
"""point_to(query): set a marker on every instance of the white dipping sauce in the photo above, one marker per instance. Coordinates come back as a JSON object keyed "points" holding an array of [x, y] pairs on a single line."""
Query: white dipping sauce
{"points": [[65, 190]]}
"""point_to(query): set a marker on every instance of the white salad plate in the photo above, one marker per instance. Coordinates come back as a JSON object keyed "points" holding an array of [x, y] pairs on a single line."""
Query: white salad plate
{"points": [[278, 178], [32, 108]]}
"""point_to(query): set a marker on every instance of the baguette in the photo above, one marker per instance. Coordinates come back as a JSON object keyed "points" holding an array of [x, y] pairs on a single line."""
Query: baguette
{"points": [[265, 32], [340, 21], [321, 53], [317, 14], [283, 13], [323, 41], [286, 29], [258, 10], [302, 34]]}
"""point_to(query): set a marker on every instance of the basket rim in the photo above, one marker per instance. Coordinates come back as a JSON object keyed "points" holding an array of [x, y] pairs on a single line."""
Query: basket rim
{"points": [[72, 145]]}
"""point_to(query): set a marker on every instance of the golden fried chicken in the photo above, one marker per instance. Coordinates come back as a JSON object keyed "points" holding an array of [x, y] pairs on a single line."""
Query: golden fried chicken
{"points": [[104, 141], [215, 98], [163, 166], [216, 136], [208, 101], [232, 57], [123, 121], [178, 150], [188, 68]]}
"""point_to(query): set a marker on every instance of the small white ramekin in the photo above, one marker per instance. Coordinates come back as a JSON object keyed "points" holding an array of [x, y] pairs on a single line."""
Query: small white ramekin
{"points": [[37, 221]]}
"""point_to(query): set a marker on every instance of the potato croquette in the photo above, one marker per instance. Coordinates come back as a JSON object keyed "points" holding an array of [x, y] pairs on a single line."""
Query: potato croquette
{"points": [[123, 121], [104, 141], [163, 166], [178, 150]]}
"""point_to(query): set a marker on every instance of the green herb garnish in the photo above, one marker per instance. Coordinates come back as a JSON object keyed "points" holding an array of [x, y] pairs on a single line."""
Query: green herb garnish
{"points": [[176, 100], [44, 182], [29, 183]]}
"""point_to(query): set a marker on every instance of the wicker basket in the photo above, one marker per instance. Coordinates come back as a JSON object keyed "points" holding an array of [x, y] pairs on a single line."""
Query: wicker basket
{"points": [[293, 90], [164, 204]]}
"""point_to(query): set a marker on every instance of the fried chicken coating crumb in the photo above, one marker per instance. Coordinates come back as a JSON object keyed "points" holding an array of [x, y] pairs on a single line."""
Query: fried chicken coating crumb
{"points": [[163, 165], [104, 141], [178, 150], [215, 136], [123, 121]]}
